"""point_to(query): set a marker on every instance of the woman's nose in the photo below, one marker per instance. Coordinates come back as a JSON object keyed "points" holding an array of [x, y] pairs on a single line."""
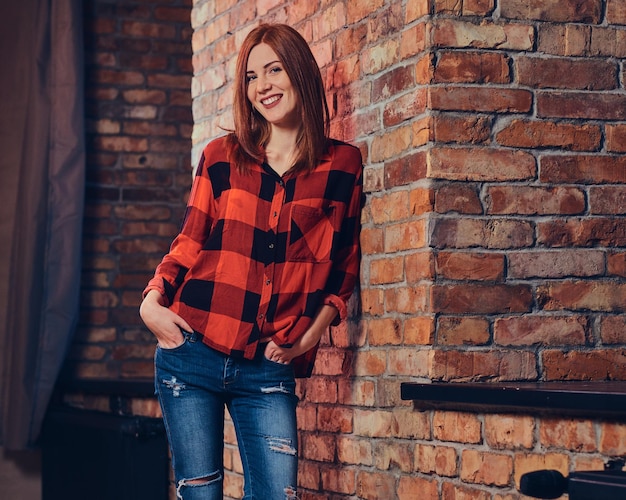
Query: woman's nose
{"points": [[263, 83]]}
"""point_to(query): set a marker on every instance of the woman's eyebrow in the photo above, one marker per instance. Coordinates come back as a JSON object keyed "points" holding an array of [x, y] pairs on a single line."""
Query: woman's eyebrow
{"points": [[265, 66]]}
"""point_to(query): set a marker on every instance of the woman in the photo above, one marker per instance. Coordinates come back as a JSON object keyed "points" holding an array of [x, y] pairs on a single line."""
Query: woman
{"points": [[265, 261]]}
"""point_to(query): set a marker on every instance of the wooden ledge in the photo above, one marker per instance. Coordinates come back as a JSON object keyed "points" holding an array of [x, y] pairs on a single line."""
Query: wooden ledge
{"points": [[583, 399]]}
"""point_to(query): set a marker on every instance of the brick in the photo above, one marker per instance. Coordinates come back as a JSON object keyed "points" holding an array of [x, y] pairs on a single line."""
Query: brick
{"points": [[148, 29], [349, 41], [556, 264], [356, 392], [369, 363], [615, 137], [416, 9], [479, 164], [408, 300], [471, 67], [321, 390], [387, 270], [582, 295], [609, 42], [613, 329], [487, 100], [583, 169], [380, 57], [587, 11], [457, 427], [542, 134], [452, 491], [541, 330], [486, 468], [597, 365], [483, 365], [529, 462], [457, 330], [372, 301], [607, 232], [385, 23], [392, 82], [616, 12], [334, 419], [581, 105], [413, 39], [529, 200], [568, 434], [609, 200], [419, 266], [458, 197], [393, 455], [469, 266], [408, 486], [612, 438], [371, 240], [338, 480], [421, 200], [391, 144], [461, 34], [461, 129], [115, 77], [405, 236], [509, 432], [375, 485], [408, 362], [616, 264], [332, 361], [405, 170], [354, 451], [318, 447], [385, 331], [572, 74], [492, 234], [440, 460], [419, 330], [405, 107]]}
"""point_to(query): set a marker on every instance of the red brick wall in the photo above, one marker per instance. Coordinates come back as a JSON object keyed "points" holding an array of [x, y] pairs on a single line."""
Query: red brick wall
{"points": [[139, 121], [494, 235]]}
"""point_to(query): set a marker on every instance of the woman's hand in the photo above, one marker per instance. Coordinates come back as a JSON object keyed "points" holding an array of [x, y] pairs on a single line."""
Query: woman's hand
{"points": [[311, 337], [164, 324]]}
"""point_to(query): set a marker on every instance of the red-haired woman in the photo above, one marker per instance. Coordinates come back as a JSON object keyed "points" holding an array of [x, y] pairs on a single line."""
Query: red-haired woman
{"points": [[266, 259]]}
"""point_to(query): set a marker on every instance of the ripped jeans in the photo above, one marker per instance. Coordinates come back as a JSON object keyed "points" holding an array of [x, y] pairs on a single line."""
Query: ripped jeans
{"points": [[194, 384]]}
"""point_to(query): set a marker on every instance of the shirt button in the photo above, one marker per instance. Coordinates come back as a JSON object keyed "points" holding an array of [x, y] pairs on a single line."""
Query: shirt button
{"points": [[267, 282], [271, 245], [261, 316]]}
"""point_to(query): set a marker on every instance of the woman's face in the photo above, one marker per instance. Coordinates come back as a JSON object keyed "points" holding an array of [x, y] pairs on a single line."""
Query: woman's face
{"points": [[270, 90]]}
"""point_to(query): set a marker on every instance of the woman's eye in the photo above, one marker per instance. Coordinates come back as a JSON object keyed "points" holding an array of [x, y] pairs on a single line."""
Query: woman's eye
{"points": [[249, 78], [276, 69]]}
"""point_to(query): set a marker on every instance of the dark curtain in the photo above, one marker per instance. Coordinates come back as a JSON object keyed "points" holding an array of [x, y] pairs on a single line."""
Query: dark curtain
{"points": [[42, 168]]}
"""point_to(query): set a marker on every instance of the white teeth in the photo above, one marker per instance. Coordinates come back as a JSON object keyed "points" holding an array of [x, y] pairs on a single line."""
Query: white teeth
{"points": [[270, 100]]}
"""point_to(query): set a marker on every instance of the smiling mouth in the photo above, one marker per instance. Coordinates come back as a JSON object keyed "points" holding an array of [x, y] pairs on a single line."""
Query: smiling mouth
{"points": [[270, 100]]}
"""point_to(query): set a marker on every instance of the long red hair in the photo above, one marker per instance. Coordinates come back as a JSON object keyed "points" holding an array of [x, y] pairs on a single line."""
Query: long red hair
{"points": [[252, 131]]}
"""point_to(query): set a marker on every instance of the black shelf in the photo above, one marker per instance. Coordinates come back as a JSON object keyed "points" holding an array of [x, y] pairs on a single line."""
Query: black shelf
{"points": [[583, 399]]}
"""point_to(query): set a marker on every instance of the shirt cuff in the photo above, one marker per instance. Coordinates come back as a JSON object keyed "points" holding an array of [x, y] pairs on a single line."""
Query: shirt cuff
{"points": [[340, 305], [158, 288]]}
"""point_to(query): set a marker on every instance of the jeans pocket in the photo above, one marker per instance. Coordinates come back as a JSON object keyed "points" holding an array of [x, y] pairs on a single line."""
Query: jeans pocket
{"points": [[187, 337]]}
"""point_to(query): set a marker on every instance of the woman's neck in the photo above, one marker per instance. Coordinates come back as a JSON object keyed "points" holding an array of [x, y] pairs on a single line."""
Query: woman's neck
{"points": [[281, 150]]}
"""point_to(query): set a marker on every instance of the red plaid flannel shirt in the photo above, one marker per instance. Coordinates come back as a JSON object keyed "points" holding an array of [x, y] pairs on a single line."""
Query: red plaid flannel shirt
{"points": [[257, 254]]}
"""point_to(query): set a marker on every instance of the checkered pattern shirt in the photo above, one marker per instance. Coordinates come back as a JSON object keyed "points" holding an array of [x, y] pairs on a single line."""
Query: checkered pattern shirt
{"points": [[258, 254]]}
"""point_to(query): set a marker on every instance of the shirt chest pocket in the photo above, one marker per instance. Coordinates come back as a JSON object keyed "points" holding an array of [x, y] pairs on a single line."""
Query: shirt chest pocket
{"points": [[311, 233]]}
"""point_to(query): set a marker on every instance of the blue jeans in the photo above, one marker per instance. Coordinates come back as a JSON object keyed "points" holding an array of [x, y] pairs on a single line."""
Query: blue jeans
{"points": [[194, 384]]}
